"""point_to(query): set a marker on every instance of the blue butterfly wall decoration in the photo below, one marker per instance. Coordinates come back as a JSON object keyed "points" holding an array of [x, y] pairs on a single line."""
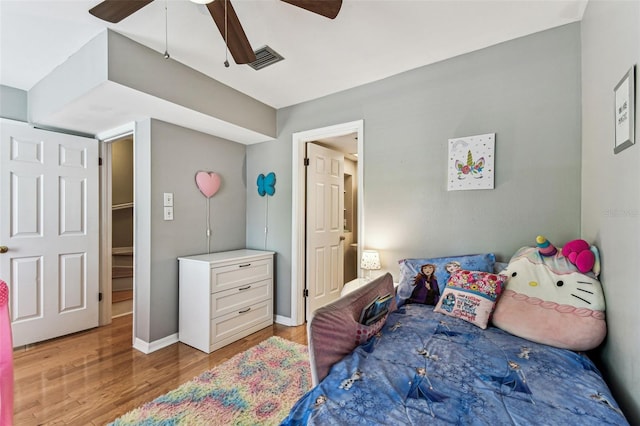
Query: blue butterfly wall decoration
{"points": [[266, 184]]}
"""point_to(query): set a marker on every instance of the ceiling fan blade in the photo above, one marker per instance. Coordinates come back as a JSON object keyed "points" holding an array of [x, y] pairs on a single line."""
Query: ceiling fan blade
{"points": [[236, 39], [326, 8], [116, 10]]}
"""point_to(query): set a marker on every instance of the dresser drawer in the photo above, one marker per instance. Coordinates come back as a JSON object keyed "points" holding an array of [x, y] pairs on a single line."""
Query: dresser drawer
{"points": [[224, 297], [237, 324], [235, 299], [226, 277]]}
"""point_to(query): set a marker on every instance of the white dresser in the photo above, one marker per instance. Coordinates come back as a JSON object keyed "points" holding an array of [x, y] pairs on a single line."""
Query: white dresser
{"points": [[224, 297]]}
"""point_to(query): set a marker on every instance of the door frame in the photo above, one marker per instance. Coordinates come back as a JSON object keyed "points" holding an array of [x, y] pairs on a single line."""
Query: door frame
{"points": [[298, 202], [105, 269]]}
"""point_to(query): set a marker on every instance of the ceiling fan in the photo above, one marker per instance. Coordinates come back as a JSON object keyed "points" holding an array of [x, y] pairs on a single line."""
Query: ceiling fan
{"points": [[223, 15]]}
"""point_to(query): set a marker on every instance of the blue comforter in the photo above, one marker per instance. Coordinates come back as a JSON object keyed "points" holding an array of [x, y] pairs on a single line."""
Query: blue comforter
{"points": [[427, 368]]}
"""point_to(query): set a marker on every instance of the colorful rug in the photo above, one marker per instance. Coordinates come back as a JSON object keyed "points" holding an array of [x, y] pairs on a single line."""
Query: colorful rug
{"points": [[255, 387]]}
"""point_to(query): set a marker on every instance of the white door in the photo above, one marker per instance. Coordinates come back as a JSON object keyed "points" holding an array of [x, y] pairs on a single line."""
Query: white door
{"points": [[325, 225], [49, 223]]}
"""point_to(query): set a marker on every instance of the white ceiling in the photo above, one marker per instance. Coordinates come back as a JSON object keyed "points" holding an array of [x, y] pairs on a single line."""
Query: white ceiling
{"points": [[368, 41]]}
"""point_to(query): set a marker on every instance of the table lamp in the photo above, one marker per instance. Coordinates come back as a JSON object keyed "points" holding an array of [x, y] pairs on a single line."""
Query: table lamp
{"points": [[370, 260]]}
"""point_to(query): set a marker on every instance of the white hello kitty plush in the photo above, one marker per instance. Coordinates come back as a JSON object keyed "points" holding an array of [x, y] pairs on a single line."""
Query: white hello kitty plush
{"points": [[548, 299]]}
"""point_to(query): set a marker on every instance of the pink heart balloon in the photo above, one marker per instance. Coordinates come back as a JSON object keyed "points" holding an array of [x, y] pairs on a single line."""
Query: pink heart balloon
{"points": [[208, 183]]}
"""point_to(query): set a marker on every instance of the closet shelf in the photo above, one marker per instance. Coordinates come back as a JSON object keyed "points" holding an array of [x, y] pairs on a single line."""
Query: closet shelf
{"points": [[122, 206]]}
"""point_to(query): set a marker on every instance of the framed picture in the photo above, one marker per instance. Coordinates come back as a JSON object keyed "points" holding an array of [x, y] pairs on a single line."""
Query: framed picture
{"points": [[471, 162], [624, 112]]}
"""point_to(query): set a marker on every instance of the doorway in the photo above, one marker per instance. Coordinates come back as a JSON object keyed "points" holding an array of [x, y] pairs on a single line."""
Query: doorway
{"points": [[348, 146], [122, 219], [117, 224], [298, 254]]}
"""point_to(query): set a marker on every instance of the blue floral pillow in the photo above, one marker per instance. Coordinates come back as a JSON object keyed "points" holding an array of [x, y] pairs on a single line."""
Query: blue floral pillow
{"points": [[409, 269]]}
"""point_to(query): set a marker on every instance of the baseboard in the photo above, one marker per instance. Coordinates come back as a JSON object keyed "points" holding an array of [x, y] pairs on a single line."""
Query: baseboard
{"points": [[147, 348], [288, 321]]}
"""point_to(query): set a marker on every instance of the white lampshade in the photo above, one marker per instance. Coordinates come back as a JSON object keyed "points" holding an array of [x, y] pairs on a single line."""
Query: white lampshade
{"points": [[370, 260]]}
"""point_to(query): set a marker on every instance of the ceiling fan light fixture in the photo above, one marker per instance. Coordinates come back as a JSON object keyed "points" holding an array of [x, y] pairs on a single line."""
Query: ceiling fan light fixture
{"points": [[202, 1]]}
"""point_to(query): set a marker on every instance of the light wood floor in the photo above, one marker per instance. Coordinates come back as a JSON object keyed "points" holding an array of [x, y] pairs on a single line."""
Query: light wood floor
{"points": [[93, 377]]}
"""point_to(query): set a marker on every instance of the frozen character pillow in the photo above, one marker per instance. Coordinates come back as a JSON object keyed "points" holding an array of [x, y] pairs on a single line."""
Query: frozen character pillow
{"points": [[425, 286], [549, 299], [411, 269]]}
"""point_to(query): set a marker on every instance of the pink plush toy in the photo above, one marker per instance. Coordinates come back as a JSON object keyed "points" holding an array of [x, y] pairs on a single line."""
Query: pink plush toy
{"points": [[6, 358], [553, 296], [579, 253]]}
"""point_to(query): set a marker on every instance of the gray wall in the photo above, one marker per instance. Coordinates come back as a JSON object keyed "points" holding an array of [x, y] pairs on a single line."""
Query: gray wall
{"points": [[70, 96], [527, 91], [610, 192], [13, 103], [175, 155], [175, 82]]}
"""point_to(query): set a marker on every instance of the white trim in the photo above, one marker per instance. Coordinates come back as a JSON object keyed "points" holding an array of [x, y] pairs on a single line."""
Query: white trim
{"points": [[121, 315], [14, 122], [298, 205], [117, 133], [105, 286], [279, 319], [147, 348]]}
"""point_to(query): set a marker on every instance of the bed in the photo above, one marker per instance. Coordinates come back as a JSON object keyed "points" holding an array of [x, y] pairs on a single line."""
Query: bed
{"points": [[422, 365]]}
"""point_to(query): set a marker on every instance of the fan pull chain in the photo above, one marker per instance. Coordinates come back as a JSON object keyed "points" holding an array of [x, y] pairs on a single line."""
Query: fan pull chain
{"points": [[166, 31], [226, 38]]}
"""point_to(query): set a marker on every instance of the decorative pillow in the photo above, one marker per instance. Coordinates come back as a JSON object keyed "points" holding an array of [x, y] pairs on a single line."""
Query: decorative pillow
{"points": [[471, 296], [548, 300], [409, 269]]}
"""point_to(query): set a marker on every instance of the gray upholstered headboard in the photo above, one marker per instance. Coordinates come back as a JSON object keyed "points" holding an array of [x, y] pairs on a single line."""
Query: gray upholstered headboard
{"points": [[334, 330]]}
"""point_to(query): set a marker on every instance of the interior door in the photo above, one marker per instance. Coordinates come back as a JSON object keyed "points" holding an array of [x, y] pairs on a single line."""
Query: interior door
{"points": [[49, 223], [325, 226]]}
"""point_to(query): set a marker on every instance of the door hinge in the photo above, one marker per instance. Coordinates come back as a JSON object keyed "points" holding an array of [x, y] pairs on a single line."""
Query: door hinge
{"points": [[305, 293], [100, 297], [306, 161], [99, 161]]}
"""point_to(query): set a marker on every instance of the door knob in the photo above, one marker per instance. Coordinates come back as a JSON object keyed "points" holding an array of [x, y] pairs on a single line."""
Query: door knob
{"points": [[4, 249], [342, 237]]}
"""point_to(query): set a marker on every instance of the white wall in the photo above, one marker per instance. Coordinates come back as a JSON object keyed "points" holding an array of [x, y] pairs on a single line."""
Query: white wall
{"points": [[13, 103], [610, 189]]}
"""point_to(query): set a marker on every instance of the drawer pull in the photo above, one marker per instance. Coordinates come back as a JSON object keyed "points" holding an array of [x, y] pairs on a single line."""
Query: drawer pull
{"points": [[244, 288], [244, 311], [244, 265]]}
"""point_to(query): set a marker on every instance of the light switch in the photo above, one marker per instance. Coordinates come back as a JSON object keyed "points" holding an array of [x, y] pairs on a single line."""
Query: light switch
{"points": [[168, 199], [168, 213]]}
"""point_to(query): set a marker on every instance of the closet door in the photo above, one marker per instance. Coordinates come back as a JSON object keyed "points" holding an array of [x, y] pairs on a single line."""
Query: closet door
{"points": [[49, 229]]}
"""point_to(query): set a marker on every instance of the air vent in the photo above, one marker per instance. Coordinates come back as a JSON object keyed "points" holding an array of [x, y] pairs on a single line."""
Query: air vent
{"points": [[265, 56]]}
